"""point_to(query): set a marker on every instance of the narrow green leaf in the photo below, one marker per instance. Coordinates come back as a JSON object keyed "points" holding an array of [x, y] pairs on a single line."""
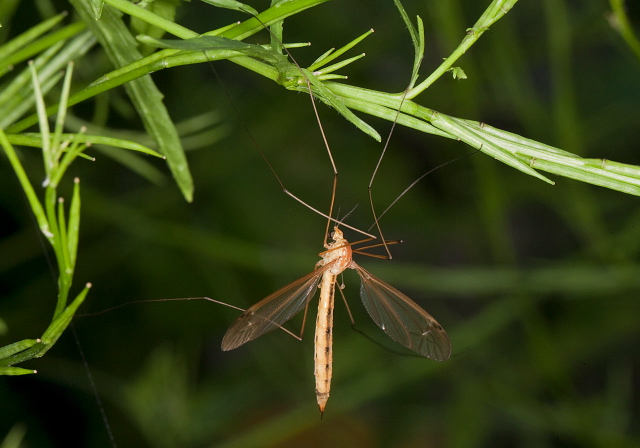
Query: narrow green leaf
{"points": [[63, 250], [201, 43], [74, 224], [337, 66], [17, 347], [412, 30], [44, 123], [419, 54], [16, 371], [331, 55], [320, 60], [96, 7], [417, 39], [57, 327], [232, 4], [62, 112], [331, 76], [33, 139]]}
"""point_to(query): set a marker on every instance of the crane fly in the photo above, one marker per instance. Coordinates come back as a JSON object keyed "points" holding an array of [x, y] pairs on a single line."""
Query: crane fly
{"points": [[395, 313]]}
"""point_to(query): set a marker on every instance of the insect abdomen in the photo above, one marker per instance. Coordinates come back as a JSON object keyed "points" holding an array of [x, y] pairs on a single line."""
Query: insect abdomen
{"points": [[324, 341]]}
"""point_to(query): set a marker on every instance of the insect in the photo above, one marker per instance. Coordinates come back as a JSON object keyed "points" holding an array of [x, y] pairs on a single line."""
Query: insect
{"points": [[395, 313]]}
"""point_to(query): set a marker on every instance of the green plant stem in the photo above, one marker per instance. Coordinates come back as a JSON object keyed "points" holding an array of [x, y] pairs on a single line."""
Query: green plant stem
{"points": [[491, 15]]}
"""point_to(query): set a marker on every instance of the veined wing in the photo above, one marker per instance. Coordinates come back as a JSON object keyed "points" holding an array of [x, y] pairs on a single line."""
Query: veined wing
{"points": [[273, 311], [402, 319]]}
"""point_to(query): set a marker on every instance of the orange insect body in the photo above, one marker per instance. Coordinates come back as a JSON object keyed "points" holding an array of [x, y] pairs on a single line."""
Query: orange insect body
{"points": [[397, 315], [338, 257]]}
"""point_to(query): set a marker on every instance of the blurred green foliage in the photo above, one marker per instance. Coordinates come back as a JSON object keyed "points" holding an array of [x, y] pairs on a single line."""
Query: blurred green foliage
{"points": [[537, 285]]}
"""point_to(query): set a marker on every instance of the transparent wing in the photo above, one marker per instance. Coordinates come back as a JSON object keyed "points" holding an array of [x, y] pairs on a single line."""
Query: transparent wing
{"points": [[402, 319], [273, 311]]}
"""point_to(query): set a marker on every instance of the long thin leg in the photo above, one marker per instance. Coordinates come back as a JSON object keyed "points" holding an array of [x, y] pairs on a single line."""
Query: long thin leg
{"points": [[113, 308], [327, 147], [304, 320], [344, 299], [376, 219]]}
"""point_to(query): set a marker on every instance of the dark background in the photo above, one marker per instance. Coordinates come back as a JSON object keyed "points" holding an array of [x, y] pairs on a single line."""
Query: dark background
{"points": [[537, 285]]}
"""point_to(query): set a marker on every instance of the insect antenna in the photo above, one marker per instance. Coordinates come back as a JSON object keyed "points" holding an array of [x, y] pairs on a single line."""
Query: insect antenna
{"points": [[412, 184]]}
